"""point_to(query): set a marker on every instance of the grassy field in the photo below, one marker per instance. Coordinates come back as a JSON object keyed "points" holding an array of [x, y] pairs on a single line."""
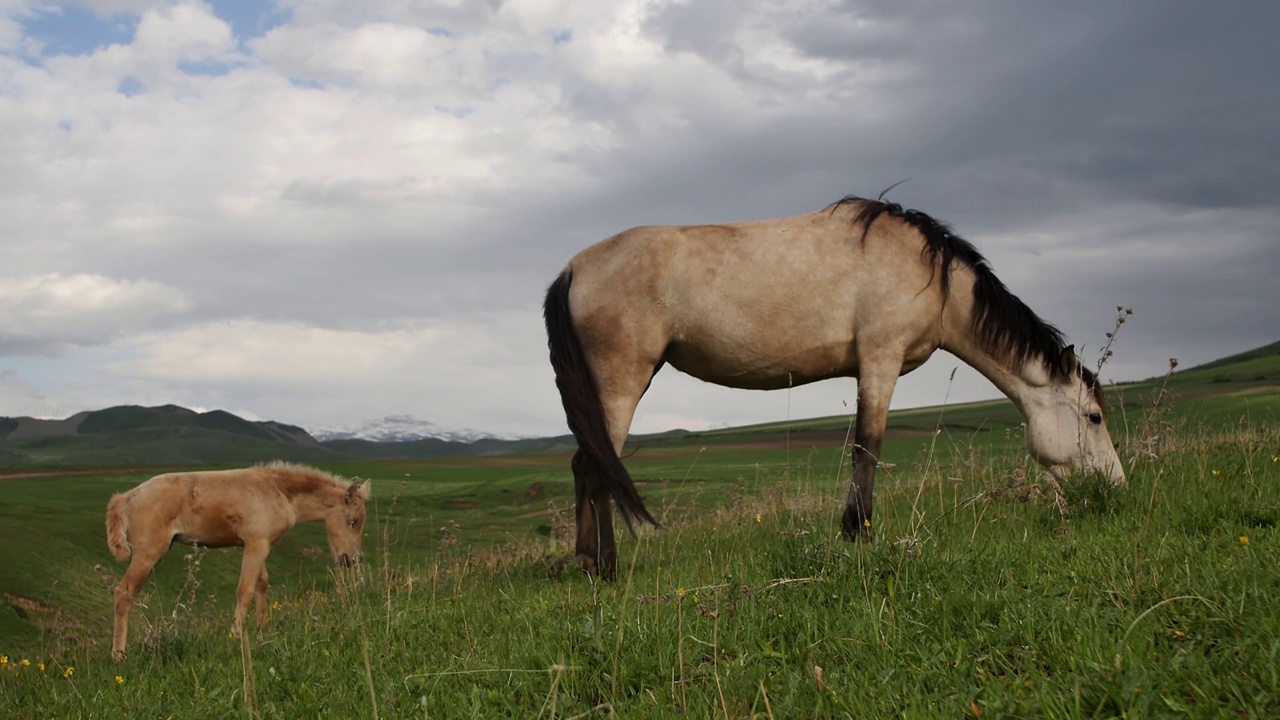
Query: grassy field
{"points": [[985, 594]]}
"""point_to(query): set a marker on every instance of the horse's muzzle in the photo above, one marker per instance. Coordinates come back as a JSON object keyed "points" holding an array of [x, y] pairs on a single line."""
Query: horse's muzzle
{"points": [[347, 561]]}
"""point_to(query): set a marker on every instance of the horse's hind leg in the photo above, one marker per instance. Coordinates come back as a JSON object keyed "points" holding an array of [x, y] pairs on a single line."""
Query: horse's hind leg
{"points": [[621, 387], [146, 553], [252, 568], [597, 553]]}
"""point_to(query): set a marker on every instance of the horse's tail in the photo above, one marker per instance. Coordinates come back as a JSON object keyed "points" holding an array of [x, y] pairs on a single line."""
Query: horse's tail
{"points": [[582, 406], [118, 525]]}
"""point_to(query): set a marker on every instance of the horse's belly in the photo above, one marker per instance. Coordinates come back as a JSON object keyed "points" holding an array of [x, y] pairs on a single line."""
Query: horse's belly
{"points": [[750, 368]]}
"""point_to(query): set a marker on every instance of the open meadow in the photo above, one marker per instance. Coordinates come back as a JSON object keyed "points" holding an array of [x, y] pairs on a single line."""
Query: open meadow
{"points": [[987, 592]]}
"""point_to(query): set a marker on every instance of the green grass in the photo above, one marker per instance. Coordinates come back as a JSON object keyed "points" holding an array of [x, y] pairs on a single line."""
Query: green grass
{"points": [[978, 596], [976, 593]]}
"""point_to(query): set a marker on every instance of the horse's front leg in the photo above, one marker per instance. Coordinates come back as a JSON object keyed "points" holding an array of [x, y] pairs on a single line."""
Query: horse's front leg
{"points": [[252, 568], [874, 392], [260, 596]]}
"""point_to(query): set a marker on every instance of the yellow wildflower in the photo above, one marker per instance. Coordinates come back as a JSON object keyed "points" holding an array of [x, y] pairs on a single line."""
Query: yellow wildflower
{"points": [[758, 518], [119, 680], [1217, 473], [1244, 539], [866, 523], [275, 606], [40, 667], [26, 662], [68, 672], [4, 659], [680, 593]]}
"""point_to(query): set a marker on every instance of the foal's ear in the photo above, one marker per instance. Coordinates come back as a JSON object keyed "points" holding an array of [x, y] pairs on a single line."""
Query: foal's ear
{"points": [[1067, 362], [363, 492], [352, 490]]}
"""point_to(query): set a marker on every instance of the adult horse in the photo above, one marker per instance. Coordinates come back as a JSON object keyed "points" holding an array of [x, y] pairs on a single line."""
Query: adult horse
{"points": [[862, 288], [250, 507]]}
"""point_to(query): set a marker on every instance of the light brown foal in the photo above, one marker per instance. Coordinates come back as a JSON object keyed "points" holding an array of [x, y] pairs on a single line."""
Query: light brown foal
{"points": [[251, 507]]}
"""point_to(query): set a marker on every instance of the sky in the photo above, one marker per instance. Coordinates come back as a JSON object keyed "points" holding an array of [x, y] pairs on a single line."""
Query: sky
{"points": [[323, 212]]}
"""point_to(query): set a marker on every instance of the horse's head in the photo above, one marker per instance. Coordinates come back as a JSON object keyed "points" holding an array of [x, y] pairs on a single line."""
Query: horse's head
{"points": [[1066, 424], [345, 524]]}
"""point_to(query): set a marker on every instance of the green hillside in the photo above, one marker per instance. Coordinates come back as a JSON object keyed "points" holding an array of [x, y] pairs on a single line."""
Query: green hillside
{"points": [[162, 436]]}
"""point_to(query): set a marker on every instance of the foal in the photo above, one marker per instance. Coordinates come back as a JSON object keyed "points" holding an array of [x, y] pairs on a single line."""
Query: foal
{"points": [[250, 507]]}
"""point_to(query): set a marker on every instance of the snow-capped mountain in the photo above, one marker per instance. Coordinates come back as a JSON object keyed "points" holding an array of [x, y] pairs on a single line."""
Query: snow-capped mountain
{"points": [[396, 428]]}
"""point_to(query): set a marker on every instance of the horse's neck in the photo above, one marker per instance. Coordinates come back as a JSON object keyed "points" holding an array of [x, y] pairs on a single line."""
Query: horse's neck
{"points": [[1019, 381]]}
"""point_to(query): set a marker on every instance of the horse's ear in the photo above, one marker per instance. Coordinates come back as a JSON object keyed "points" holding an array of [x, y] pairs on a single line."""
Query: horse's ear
{"points": [[1067, 362], [363, 492]]}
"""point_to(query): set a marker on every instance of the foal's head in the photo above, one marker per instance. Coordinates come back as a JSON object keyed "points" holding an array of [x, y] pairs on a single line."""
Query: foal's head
{"points": [[1066, 427], [345, 524]]}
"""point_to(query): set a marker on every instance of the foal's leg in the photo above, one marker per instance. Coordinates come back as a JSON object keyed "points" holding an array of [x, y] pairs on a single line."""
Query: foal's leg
{"points": [[251, 569], [875, 389], [260, 596], [146, 553]]}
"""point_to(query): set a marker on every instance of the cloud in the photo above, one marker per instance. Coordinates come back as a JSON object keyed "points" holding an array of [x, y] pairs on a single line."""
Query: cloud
{"points": [[350, 210], [454, 373], [46, 314]]}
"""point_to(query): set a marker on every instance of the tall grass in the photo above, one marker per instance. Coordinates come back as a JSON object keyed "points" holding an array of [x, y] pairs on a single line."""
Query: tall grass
{"points": [[979, 598]]}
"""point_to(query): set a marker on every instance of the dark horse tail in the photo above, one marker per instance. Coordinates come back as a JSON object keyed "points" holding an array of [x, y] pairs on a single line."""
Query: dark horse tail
{"points": [[582, 406]]}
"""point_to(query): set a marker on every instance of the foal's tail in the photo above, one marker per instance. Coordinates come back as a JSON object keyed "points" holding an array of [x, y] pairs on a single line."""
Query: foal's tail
{"points": [[582, 405], [118, 525]]}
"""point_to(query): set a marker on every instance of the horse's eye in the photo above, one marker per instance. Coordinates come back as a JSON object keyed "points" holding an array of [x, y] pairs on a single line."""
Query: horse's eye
{"points": [[353, 522], [1095, 418]]}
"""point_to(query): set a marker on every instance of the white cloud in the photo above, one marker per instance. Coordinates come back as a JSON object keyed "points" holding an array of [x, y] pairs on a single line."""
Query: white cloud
{"points": [[183, 32], [44, 314], [457, 374]]}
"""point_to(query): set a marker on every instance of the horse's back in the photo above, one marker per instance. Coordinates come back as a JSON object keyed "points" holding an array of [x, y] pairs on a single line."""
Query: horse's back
{"points": [[758, 304]]}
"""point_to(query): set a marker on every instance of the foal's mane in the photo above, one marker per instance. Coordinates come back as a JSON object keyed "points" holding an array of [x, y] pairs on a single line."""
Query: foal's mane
{"points": [[1004, 324], [294, 479]]}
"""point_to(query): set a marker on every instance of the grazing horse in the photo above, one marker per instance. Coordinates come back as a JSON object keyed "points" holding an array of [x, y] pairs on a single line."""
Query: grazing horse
{"points": [[250, 507], [862, 288]]}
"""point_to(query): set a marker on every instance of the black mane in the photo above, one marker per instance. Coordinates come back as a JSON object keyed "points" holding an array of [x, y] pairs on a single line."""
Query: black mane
{"points": [[1005, 325]]}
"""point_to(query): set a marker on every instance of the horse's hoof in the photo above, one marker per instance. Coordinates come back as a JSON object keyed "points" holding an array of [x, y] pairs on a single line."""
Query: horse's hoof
{"points": [[605, 571], [860, 533]]}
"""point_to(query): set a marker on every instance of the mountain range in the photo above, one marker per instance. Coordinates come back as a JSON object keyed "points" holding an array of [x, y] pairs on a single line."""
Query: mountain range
{"points": [[397, 428], [169, 435], [174, 435]]}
